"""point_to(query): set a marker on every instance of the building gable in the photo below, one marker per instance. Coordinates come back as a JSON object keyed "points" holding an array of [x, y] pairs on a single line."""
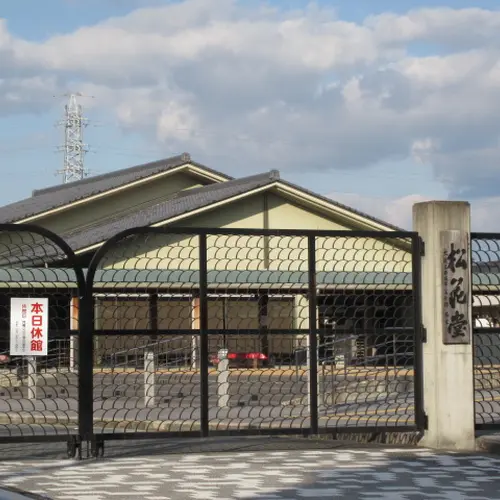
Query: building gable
{"points": [[267, 209]]}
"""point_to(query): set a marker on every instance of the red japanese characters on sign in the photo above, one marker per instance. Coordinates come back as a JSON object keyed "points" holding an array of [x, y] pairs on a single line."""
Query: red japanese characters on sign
{"points": [[36, 330], [29, 327], [37, 345]]}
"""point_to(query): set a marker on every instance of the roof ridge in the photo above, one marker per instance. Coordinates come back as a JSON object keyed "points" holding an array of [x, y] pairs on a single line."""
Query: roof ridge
{"points": [[184, 157], [215, 187], [53, 197]]}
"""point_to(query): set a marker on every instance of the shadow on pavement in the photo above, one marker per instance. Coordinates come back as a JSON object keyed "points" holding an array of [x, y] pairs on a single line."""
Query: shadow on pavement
{"points": [[397, 475], [354, 472]]}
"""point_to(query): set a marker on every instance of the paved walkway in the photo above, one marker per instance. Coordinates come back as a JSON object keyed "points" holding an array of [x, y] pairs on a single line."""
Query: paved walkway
{"points": [[369, 474]]}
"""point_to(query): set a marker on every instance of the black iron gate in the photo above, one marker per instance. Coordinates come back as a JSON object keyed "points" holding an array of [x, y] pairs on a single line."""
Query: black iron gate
{"points": [[206, 332], [221, 331], [39, 395], [485, 250]]}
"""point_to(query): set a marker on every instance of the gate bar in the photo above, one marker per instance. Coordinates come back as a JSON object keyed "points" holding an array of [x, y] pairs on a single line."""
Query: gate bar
{"points": [[418, 373], [313, 339], [204, 354], [85, 366]]}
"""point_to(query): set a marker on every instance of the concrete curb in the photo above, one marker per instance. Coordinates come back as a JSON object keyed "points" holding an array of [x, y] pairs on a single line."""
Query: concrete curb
{"points": [[490, 443], [189, 425]]}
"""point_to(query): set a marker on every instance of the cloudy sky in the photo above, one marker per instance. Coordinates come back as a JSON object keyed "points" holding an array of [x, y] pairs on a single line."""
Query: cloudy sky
{"points": [[376, 103]]}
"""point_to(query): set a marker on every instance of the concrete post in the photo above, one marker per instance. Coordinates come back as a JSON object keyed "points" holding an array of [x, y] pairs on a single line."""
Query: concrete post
{"points": [[223, 379], [31, 362], [149, 377], [447, 368]]}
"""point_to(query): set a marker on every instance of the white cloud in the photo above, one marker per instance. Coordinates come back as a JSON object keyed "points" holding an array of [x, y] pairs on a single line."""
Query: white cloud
{"points": [[423, 149], [463, 28], [398, 211], [177, 121], [287, 89]]}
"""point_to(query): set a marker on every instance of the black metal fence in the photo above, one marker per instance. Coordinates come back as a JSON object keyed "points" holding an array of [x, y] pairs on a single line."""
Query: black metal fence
{"points": [[485, 249], [198, 332]]}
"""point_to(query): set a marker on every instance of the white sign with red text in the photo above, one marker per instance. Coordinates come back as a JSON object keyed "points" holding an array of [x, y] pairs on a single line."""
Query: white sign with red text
{"points": [[29, 327]]}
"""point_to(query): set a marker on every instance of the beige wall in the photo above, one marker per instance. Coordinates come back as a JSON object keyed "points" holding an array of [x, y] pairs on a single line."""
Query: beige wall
{"points": [[119, 314], [241, 314], [258, 252]]}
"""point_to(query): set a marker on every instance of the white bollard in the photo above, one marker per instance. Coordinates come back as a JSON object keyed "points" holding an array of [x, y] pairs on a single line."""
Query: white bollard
{"points": [[194, 352], [223, 379], [195, 325], [149, 378], [73, 340], [31, 362], [340, 361], [320, 377]]}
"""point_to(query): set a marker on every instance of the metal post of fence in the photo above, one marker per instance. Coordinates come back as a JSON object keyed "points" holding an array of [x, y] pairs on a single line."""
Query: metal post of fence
{"points": [[150, 359], [204, 410], [31, 362], [394, 349], [85, 366], [418, 356], [322, 385], [149, 377], [297, 375], [313, 339]]}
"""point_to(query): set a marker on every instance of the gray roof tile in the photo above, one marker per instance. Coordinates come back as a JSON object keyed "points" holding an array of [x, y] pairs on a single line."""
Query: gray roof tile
{"points": [[60, 195], [183, 203]]}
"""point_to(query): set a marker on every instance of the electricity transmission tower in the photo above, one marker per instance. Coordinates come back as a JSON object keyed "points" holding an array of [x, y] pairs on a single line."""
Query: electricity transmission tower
{"points": [[74, 148]]}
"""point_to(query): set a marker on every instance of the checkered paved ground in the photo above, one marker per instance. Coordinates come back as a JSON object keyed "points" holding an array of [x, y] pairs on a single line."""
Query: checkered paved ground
{"points": [[367, 474]]}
